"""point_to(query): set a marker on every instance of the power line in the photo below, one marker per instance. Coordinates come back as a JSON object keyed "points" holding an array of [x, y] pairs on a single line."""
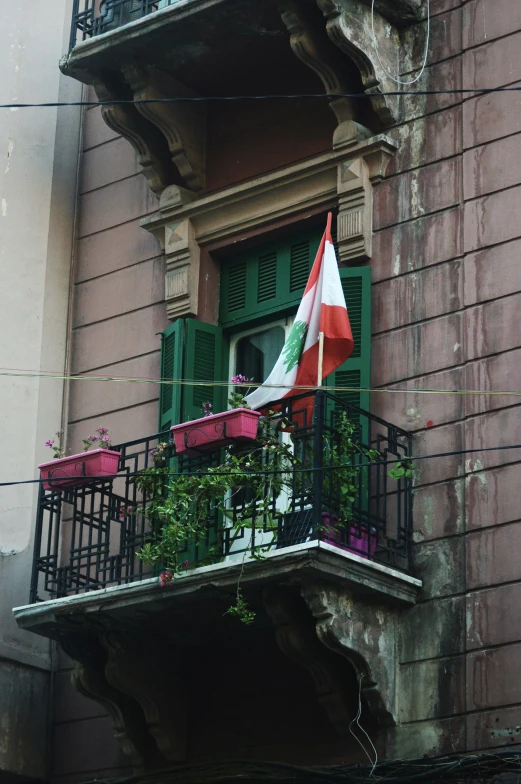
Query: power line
{"points": [[302, 470], [190, 382], [274, 97]]}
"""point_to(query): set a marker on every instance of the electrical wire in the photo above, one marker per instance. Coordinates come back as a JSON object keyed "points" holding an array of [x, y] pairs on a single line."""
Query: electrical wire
{"points": [[273, 97], [356, 720], [426, 54], [187, 382], [468, 768], [270, 472]]}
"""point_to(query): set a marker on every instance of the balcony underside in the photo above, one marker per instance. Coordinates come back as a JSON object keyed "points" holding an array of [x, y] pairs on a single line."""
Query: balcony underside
{"points": [[209, 48]]}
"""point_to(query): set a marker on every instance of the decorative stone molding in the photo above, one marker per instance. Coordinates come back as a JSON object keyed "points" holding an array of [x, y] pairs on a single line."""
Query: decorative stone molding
{"points": [[137, 668], [182, 255], [125, 120], [366, 633], [182, 124], [349, 26], [298, 640], [308, 44], [344, 177], [355, 211], [88, 678]]}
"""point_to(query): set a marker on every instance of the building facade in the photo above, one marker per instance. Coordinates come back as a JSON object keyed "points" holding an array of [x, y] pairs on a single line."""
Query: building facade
{"points": [[196, 223]]}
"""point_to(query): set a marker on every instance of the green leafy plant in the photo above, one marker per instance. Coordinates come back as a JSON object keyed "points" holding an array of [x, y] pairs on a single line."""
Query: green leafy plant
{"points": [[402, 469], [239, 495], [100, 438], [346, 457], [239, 492]]}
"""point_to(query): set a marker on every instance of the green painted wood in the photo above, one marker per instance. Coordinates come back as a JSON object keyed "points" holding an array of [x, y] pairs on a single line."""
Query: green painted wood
{"points": [[203, 361], [171, 369], [268, 280], [356, 371]]}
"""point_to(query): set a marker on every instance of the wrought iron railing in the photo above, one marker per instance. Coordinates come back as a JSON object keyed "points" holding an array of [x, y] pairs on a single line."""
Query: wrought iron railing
{"points": [[93, 17], [89, 536]]}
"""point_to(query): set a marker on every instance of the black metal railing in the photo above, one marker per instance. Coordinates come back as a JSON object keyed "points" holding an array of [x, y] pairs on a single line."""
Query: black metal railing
{"points": [[89, 536], [93, 17]]}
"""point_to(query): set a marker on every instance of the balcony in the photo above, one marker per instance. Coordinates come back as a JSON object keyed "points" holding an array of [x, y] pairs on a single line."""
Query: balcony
{"points": [[88, 537], [328, 578], [92, 17]]}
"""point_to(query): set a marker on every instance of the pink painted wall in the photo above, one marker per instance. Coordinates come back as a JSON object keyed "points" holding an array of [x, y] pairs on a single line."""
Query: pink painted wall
{"points": [[446, 296], [446, 315]]}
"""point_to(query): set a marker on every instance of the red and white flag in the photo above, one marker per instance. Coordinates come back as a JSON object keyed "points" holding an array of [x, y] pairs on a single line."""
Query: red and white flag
{"points": [[323, 309]]}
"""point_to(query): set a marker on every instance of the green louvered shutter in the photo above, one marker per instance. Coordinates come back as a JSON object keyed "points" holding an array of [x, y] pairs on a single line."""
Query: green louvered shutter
{"points": [[171, 368], [203, 361], [268, 280], [356, 371]]}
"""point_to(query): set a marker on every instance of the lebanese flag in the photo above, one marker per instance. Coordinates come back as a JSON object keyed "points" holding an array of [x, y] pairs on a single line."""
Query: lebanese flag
{"points": [[323, 309]]}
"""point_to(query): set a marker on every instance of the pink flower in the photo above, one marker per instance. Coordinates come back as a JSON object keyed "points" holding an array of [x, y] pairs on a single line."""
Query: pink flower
{"points": [[239, 379], [50, 442]]}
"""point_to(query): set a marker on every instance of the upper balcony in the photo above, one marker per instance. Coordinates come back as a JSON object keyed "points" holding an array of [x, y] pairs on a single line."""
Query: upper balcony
{"points": [[159, 53]]}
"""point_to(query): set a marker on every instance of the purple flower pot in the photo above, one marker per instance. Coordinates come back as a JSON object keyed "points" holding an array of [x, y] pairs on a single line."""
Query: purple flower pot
{"points": [[212, 432], [359, 541], [78, 469]]}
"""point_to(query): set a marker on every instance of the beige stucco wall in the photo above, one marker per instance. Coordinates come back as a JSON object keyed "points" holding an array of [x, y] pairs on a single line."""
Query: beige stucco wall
{"points": [[38, 165]]}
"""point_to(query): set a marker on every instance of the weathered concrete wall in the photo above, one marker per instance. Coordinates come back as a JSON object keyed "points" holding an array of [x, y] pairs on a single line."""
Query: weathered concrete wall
{"points": [[446, 316], [39, 154], [446, 312]]}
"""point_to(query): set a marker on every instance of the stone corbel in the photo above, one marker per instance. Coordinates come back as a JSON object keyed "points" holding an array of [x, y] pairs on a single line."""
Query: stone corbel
{"points": [[349, 26], [139, 670], [355, 180], [297, 639], [365, 632], [145, 138], [88, 678], [312, 47], [183, 125]]}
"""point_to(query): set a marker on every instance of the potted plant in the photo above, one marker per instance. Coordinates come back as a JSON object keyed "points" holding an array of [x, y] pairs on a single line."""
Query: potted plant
{"points": [[212, 431], [72, 470], [237, 494], [342, 479]]}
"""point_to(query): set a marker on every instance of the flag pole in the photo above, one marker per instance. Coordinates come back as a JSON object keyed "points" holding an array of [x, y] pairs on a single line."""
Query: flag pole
{"points": [[320, 357]]}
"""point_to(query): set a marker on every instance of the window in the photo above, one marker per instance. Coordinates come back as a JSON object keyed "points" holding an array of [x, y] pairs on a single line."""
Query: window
{"points": [[260, 293]]}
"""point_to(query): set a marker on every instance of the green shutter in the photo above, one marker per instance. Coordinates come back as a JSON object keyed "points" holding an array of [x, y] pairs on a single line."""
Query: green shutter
{"points": [[204, 361], [356, 371], [171, 368], [268, 280]]}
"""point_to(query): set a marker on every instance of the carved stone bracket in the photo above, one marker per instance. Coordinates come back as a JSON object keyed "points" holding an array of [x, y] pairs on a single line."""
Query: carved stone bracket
{"points": [[297, 639], [308, 44], [144, 137], [137, 670], [365, 632], [88, 678], [350, 27], [182, 124]]}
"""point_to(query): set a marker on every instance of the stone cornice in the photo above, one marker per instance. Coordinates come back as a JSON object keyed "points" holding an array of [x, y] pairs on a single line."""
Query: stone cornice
{"points": [[262, 200]]}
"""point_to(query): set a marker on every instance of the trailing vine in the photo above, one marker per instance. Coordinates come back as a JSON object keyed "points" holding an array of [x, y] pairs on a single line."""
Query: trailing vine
{"points": [[240, 495]]}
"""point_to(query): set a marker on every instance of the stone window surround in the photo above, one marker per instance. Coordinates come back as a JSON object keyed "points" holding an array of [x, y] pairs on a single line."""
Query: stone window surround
{"points": [[345, 176]]}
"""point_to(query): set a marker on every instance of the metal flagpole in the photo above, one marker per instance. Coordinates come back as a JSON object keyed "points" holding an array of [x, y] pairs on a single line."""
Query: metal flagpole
{"points": [[320, 357]]}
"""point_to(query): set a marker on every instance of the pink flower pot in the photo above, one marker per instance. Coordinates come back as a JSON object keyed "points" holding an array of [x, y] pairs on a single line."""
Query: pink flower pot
{"points": [[77, 469], [359, 541], [238, 424]]}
